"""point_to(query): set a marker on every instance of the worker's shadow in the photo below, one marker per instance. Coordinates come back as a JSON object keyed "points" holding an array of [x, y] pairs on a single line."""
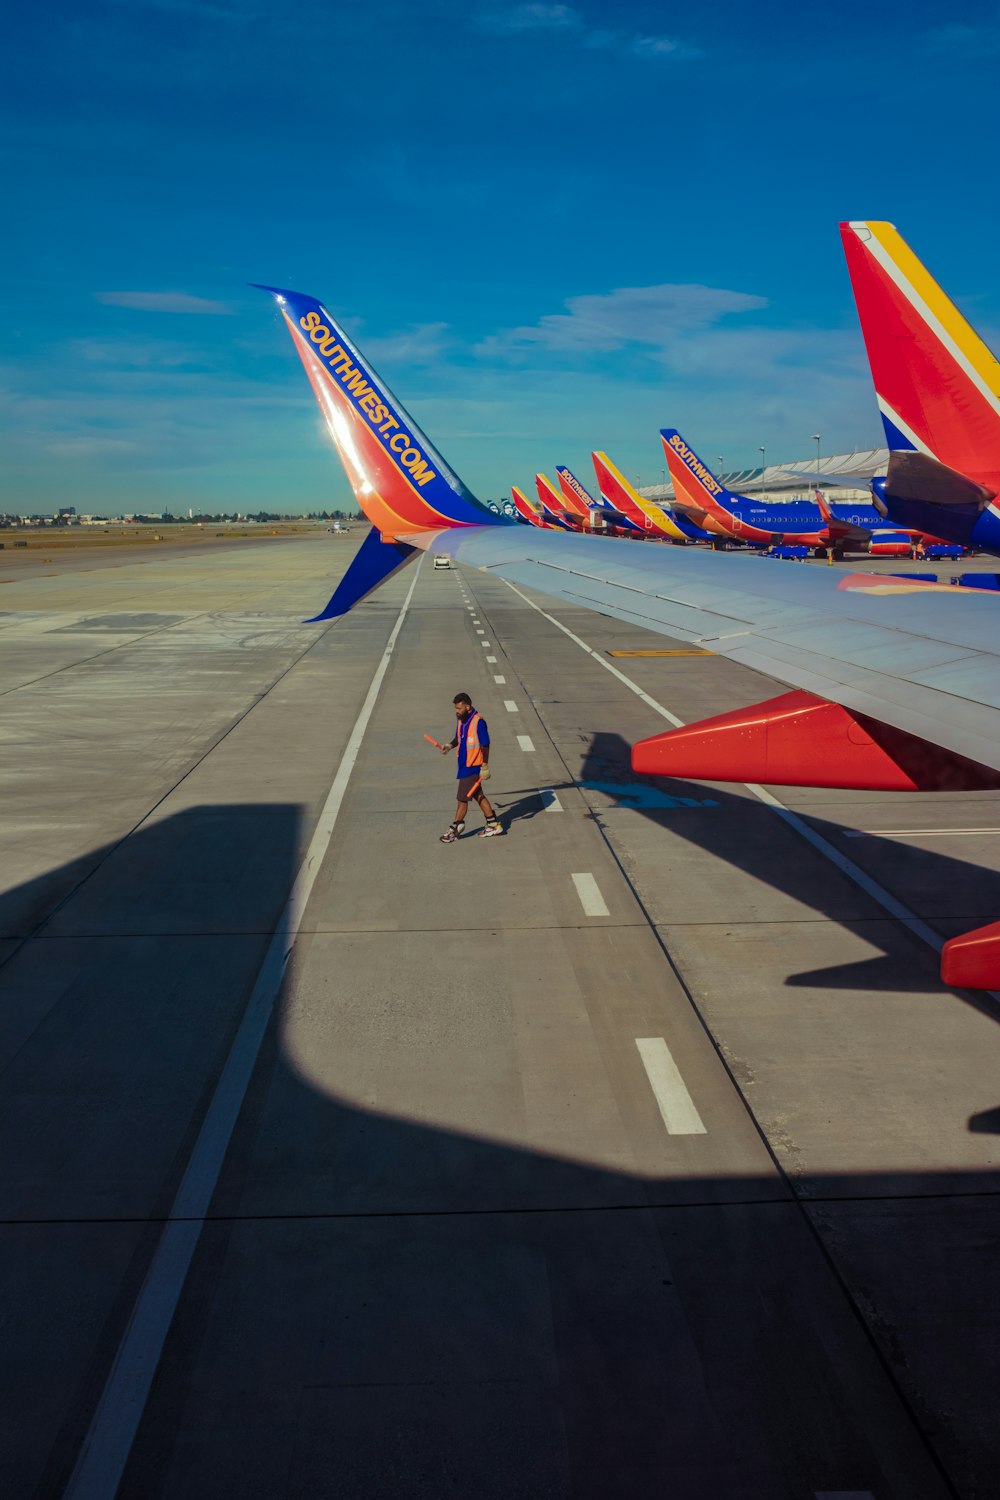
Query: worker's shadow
{"points": [[530, 802]]}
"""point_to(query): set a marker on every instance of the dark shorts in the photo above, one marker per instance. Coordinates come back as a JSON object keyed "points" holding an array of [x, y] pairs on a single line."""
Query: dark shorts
{"points": [[466, 783]]}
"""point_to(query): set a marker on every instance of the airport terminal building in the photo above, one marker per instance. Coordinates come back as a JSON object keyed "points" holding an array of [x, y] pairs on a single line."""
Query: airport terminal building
{"points": [[848, 474]]}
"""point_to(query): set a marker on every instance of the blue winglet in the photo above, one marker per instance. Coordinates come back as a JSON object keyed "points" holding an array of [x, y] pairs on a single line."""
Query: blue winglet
{"points": [[374, 562]]}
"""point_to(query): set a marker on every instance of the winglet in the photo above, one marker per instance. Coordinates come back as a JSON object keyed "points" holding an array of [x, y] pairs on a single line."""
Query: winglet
{"points": [[399, 479]]}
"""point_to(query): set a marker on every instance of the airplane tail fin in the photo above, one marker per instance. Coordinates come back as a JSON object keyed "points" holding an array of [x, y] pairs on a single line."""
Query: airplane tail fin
{"points": [[552, 503], [612, 485], [692, 480], [559, 501], [574, 492], [524, 507], [617, 491], [399, 479], [937, 383]]}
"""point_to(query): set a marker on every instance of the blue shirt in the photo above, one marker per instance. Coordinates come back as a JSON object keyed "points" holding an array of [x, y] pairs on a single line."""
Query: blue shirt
{"points": [[464, 769]]}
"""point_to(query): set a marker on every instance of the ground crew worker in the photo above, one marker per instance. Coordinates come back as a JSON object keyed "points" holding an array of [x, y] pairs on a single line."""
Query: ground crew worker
{"points": [[472, 740]]}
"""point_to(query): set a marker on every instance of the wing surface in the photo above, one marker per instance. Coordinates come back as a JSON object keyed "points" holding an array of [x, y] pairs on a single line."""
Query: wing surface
{"points": [[920, 657]]}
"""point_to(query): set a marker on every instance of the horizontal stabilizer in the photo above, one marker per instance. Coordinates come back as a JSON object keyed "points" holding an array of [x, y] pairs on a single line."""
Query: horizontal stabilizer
{"points": [[917, 476], [374, 563]]}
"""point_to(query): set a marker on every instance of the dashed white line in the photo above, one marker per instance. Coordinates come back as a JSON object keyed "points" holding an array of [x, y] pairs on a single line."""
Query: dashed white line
{"points": [[106, 1447], [550, 801], [492, 660], [485, 644], [500, 681], [511, 706], [669, 1089], [524, 741], [480, 631], [590, 896], [853, 872]]}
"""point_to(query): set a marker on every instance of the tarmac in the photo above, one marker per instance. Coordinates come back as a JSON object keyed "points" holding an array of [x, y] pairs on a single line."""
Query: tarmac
{"points": [[639, 1152]]}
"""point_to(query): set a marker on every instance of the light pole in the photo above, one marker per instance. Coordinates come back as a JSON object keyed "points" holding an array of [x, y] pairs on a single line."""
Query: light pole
{"points": [[721, 466], [815, 439], [763, 466]]}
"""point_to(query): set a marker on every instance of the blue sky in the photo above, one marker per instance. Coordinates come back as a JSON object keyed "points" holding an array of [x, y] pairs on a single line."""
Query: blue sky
{"points": [[552, 227]]}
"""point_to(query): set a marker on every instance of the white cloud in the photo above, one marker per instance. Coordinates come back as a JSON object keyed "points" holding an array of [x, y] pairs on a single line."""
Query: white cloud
{"points": [[83, 445], [663, 46], [532, 17], [421, 344], [164, 302], [565, 20], [132, 354], [959, 39], [646, 315]]}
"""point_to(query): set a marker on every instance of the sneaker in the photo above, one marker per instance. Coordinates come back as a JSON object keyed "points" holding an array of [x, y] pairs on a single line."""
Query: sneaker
{"points": [[492, 830], [453, 833]]}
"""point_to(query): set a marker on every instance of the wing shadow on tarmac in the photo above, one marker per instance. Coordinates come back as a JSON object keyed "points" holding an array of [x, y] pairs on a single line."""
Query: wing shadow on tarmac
{"points": [[386, 1302], [746, 834]]}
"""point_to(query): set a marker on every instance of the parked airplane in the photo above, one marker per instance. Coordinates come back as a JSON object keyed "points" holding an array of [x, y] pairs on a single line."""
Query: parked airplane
{"points": [[818, 524], [551, 498], [879, 704], [938, 391], [553, 508], [525, 510], [574, 492], [604, 516], [644, 514]]}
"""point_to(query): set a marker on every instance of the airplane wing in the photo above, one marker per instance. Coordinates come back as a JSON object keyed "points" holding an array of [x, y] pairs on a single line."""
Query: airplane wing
{"points": [[897, 683], [920, 657]]}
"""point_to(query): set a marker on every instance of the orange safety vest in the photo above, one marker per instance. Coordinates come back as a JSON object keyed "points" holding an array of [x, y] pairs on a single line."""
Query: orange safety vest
{"points": [[473, 749]]}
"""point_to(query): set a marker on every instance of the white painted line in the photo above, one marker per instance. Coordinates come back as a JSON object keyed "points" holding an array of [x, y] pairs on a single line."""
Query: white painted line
{"points": [[485, 644], [500, 681], [474, 620], [916, 833], [608, 667], [492, 660], [853, 872], [105, 1451], [669, 1089], [550, 801], [524, 741], [590, 896], [480, 631], [511, 706]]}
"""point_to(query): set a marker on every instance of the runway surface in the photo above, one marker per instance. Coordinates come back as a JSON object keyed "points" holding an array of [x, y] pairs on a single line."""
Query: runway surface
{"points": [[638, 1152]]}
